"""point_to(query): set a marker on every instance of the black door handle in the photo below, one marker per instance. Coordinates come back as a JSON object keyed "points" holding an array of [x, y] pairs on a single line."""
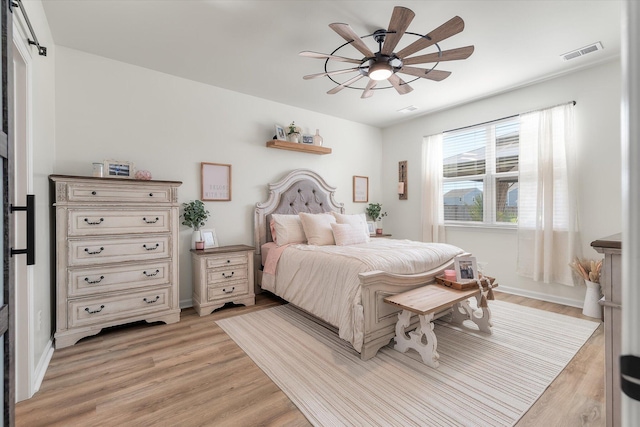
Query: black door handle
{"points": [[31, 229]]}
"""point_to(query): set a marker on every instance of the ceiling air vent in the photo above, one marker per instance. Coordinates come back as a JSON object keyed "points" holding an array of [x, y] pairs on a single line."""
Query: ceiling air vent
{"points": [[408, 109], [582, 51]]}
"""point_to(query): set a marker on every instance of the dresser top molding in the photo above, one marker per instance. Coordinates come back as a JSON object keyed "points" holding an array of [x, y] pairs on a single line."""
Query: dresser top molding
{"points": [[118, 180], [609, 242]]}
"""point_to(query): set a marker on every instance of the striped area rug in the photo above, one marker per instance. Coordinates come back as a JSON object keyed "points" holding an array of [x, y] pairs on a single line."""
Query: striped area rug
{"points": [[483, 380]]}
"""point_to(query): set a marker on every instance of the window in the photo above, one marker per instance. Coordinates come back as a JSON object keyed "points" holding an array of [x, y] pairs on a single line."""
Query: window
{"points": [[480, 173]]}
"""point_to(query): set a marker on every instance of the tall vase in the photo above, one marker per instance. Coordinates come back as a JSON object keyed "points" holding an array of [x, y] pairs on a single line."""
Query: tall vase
{"points": [[196, 236], [591, 306], [317, 139]]}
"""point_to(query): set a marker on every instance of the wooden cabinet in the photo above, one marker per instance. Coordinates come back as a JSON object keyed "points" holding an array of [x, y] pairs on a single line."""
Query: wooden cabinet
{"points": [[611, 281], [116, 245], [222, 275]]}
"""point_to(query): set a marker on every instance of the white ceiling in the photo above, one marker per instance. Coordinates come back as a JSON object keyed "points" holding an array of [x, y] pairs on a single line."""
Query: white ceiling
{"points": [[252, 46]]}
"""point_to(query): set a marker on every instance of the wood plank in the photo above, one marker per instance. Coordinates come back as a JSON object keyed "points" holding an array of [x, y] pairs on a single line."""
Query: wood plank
{"points": [[429, 299], [294, 146]]}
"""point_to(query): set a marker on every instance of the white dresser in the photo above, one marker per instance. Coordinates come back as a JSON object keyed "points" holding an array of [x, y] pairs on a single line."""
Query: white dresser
{"points": [[116, 246]]}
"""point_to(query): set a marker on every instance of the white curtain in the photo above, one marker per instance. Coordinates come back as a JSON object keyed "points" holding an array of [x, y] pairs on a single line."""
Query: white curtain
{"points": [[432, 200], [548, 232]]}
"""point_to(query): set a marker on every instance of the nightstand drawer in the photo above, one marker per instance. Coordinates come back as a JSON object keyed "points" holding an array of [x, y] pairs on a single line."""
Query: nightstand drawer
{"points": [[219, 276], [229, 290], [98, 222], [224, 260], [97, 310], [106, 250], [95, 280], [106, 192]]}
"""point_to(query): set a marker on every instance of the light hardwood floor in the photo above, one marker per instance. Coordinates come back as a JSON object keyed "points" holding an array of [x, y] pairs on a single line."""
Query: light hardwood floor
{"points": [[192, 374]]}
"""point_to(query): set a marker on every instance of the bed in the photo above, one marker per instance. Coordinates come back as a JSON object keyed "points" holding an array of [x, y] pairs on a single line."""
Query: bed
{"points": [[344, 286]]}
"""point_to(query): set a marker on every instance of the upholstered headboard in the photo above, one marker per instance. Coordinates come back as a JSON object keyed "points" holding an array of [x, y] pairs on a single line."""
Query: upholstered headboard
{"points": [[302, 190]]}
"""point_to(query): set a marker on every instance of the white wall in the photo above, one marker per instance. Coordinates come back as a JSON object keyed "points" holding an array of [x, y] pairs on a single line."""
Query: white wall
{"points": [[111, 110], [597, 93]]}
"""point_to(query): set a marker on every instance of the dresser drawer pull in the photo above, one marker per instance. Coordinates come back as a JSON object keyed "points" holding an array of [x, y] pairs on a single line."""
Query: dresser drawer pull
{"points": [[230, 291], [94, 311], [152, 248], [93, 252], [150, 194], [228, 261], [93, 193], [151, 221], [151, 274], [93, 282], [93, 222], [150, 301], [229, 276]]}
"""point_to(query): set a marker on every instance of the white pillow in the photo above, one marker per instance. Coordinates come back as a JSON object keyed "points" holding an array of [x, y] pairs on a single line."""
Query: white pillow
{"points": [[317, 228], [347, 234], [288, 229], [356, 220]]}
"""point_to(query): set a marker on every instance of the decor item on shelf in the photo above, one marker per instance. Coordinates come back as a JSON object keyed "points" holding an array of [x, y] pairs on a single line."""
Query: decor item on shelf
{"points": [[307, 139], [589, 271], [374, 211], [199, 244], [385, 64], [98, 169], [195, 216], [402, 180], [317, 139], [143, 175], [280, 134], [118, 169], [294, 133]]}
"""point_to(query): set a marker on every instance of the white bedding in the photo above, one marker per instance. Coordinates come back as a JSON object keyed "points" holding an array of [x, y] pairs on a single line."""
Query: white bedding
{"points": [[323, 280]]}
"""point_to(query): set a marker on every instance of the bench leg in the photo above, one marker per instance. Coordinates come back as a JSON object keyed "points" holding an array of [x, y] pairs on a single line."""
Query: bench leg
{"points": [[462, 311], [423, 339]]}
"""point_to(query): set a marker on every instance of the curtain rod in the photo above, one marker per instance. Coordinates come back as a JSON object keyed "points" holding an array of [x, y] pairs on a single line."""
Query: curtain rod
{"points": [[508, 117], [41, 49]]}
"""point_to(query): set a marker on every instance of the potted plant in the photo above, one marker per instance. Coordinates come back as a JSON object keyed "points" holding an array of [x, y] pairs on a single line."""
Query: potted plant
{"points": [[194, 215], [374, 211], [293, 133]]}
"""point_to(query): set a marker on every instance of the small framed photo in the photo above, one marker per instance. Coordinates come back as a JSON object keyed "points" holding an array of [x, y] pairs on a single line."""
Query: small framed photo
{"points": [[216, 182], [280, 134], [307, 139], [466, 268], [210, 239], [360, 189], [118, 169], [372, 227]]}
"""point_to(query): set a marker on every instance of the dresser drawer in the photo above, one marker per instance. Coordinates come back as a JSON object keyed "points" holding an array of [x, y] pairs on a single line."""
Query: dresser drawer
{"points": [[96, 280], [119, 193], [84, 222], [225, 260], [95, 310], [229, 290], [220, 276], [107, 250]]}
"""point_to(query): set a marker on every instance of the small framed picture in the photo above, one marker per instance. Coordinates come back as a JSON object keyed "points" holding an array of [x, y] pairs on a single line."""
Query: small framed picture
{"points": [[216, 182], [307, 139], [372, 227], [360, 189], [209, 237], [280, 133], [466, 268], [118, 169]]}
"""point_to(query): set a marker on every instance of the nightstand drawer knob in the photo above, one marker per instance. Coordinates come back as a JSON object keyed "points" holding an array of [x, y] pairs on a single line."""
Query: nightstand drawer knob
{"points": [[93, 252], [93, 282], [151, 301], [230, 291], [93, 222], [94, 311], [229, 276]]}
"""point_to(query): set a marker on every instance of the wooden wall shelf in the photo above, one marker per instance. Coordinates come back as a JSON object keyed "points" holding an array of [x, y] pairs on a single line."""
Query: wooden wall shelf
{"points": [[294, 146]]}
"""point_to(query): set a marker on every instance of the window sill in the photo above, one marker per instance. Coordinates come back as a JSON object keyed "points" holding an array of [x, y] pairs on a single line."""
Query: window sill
{"points": [[492, 227]]}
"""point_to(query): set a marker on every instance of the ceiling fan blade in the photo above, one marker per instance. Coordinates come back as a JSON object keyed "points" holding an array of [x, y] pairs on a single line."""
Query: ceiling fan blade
{"points": [[401, 86], [317, 55], [347, 33], [345, 84], [445, 55], [368, 92], [400, 20], [446, 30], [330, 73], [436, 75]]}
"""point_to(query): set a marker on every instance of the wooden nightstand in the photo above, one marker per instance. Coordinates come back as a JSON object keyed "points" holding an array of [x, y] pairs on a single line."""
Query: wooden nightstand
{"points": [[380, 235], [222, 275]]}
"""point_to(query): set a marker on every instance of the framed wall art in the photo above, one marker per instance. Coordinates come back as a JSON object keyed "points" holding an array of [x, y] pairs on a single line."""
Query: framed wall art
{"points": [[360, 189], [216, 182]]}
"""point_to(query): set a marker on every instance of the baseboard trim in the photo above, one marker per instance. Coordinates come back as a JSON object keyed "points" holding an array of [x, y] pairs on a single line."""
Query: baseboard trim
{"points": [[42, 366], [187, 303], [542, 297]]}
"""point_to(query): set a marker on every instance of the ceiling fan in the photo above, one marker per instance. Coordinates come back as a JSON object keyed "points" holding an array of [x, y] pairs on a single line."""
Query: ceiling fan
{"points": [[386, 64]]}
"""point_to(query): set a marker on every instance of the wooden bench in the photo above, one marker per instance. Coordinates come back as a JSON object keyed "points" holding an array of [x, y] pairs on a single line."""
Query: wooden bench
{"points": [[431, 302]]}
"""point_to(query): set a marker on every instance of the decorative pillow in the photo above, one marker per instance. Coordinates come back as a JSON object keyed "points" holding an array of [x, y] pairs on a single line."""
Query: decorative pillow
{"points": [[356, 220], [347, 234], [288, 229], [272, 227], [317, 228]]}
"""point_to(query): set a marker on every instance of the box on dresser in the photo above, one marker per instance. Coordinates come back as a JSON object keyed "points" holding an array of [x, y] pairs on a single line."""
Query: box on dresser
{"points": [[116, 246]]}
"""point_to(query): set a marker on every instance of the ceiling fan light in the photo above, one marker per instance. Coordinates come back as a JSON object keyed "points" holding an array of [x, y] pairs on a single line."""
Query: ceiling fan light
{"points": [[380, 71]]}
